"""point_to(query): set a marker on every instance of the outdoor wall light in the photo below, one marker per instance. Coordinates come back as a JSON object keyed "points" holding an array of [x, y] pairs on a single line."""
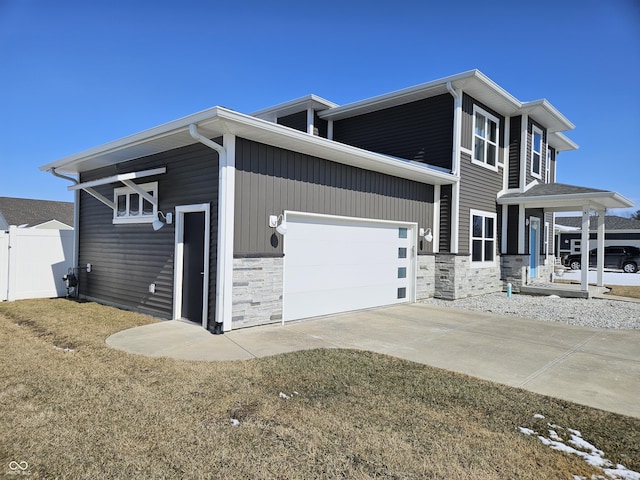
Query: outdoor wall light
{"points": [[277, 222], [428, 236], [162, 220]]}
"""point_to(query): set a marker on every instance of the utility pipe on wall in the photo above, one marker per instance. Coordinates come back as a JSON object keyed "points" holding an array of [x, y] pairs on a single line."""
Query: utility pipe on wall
{"points": [[76, 214]]}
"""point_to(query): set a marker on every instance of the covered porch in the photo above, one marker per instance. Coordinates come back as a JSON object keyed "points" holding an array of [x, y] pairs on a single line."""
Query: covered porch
{"points": [[558, 197]]}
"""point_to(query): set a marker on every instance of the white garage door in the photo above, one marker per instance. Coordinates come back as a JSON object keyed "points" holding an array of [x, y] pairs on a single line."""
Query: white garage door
{"points": [[338, 264]]}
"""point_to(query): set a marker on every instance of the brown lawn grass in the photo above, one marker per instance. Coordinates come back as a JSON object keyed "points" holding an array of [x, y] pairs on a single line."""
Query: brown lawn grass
{"points": [[95, 412]]}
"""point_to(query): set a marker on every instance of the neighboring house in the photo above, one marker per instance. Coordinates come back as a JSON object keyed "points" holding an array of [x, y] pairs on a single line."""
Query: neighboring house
{"points": [[307, 208], [36, 247], [619, 231], [30, 213]]}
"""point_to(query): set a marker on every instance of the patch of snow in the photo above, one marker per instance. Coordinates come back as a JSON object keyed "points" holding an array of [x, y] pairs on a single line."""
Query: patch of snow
{"points": [[235, 422], [553, 296], [537, 415], [587, 451], [284, 396], [527, 431]]}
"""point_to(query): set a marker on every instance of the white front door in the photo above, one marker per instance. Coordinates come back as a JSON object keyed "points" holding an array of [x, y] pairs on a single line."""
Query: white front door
{"points": [[338, 264]]}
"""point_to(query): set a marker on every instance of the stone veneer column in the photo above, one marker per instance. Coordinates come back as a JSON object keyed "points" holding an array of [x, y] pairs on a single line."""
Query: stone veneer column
{"points": [[257, 291], [425, 277], [455, 277]]}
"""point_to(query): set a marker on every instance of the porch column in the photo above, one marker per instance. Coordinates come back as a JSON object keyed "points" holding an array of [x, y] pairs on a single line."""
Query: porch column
{"points": [[584, 250], [600, 241]]}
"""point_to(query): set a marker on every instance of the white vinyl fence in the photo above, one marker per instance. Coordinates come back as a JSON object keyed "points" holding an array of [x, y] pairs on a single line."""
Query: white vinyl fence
{"points": [[33, 262]]}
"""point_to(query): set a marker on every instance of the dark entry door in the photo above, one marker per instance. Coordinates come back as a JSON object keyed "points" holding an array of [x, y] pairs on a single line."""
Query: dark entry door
{"points": [[193, 262]]}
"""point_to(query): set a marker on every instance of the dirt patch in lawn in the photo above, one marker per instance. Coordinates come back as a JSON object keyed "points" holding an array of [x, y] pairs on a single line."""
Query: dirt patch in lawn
{"points": [[87, 411]]}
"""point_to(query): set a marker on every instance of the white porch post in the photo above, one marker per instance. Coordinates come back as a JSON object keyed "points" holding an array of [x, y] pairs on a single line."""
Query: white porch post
{"points": [[600, 241], [584, 250]]}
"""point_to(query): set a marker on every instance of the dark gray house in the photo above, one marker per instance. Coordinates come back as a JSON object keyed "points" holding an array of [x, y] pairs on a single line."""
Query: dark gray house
{"points": [[619, 231], [308, 208]]}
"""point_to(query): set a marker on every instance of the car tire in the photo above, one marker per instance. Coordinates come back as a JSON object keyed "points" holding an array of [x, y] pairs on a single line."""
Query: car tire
{"points": [[630, 267], [574, 264]]}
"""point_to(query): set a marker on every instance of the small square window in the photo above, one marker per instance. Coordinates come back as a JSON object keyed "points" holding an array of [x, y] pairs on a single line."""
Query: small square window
{"points": [[131, 207], [402, 232], [402, 272], [402, 292], [402, 252]]}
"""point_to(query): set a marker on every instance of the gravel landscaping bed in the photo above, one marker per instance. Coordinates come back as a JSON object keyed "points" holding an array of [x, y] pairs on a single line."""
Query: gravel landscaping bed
{"points": [[594, 312]]}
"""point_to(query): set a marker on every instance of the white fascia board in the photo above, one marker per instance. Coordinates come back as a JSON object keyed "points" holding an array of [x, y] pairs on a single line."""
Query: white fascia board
{"points": [[292, 106], [572, 201], [548, 115], [398, 97], [561, 142], [70, 164]]}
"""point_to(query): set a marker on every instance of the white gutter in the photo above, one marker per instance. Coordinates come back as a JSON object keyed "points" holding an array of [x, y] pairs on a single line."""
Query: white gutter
{"points": [[455, 166], [224, 267], [76, 214]]}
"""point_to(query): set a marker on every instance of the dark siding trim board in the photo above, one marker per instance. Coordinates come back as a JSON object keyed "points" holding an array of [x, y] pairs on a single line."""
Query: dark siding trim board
{"points": [[479, 188], [421, 131], [514, 151], [125, 259], [552, 172], [270, 180], [445, 218], [512, 229]]}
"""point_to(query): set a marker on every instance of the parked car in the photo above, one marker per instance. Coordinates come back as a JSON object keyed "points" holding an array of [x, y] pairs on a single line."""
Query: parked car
{"points": [[625, 258]]}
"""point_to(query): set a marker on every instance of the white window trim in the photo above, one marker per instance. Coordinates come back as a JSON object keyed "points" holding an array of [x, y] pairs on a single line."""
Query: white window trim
{"points": [[484, 214], [535, 130], [477, 109], [547, 168], [140, 218]]}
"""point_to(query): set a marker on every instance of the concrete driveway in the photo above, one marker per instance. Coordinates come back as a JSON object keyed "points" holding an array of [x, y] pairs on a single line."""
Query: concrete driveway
{"points": [[594, 367]]}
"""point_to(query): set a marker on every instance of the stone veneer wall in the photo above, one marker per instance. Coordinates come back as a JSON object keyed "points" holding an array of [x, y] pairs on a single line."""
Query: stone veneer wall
{"points": [[455, 278], [425, 277], [515, 270], [257, 291]]}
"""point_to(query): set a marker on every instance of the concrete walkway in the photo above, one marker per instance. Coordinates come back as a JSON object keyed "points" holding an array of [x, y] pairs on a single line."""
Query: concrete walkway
{"points": [[595, 367]]}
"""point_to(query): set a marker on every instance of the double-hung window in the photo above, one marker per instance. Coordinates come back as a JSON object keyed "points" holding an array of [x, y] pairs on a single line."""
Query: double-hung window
{"points": [[483, 238], [131, 207], [536, 152], [485, 138]]}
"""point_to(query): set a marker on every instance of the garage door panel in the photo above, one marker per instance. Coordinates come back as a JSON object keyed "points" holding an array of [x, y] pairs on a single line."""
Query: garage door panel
{"points": [[333, 264]]}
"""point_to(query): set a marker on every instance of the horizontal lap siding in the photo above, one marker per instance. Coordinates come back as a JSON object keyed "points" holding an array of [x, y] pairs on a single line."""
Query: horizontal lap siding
{"points": [[421, 131], [445, 218], [270, 180], [479, 187], [127, 258]]}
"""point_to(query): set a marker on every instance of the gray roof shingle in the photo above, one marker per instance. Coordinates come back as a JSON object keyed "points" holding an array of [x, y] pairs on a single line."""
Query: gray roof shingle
{"points": [[611, 222], [30, 212]]}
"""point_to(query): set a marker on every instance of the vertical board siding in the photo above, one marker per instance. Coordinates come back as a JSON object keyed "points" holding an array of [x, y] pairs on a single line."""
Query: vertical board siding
{"points": [[270, 180], [514, 151], [421, 131], [552, 173], [479, 188], [126, 259]]}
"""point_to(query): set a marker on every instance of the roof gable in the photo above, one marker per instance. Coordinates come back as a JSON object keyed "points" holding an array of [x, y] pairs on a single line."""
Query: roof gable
{"points": [[30, 212]]}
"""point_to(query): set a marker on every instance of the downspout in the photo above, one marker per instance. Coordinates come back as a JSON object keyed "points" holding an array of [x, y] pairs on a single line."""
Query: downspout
{"points": [[455, 166], [224, 224], [76, 215]]}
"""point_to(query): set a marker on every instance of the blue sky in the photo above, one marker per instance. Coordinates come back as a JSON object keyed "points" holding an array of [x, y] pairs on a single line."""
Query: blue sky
{"points": [[77, 74]]}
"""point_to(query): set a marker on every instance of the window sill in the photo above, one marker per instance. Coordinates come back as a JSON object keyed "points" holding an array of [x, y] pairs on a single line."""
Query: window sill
{"points": [[493, 168], [132, 220], [483, 264]]}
